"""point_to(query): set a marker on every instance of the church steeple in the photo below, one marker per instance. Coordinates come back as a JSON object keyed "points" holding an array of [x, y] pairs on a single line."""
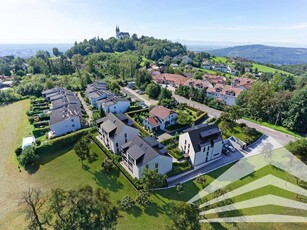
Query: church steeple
{"points": [[117, 31]]}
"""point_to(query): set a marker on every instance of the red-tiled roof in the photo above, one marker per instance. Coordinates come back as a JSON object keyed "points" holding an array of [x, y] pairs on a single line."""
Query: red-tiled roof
{"points": [[242, 81], [175, 78], [153, 121], [160, 111]]}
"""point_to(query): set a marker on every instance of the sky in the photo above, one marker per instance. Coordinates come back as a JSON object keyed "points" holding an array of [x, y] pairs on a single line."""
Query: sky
{"points": [[273, 22]]}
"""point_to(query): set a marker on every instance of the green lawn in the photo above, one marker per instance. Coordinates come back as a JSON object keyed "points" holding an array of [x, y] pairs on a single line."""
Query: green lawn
{"points": [[237, 132], [275, 127], [263, 68]]}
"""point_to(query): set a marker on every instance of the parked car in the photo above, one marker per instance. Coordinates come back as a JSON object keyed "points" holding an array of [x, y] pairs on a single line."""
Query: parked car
{"points": [[225, 151], [231, 148]]}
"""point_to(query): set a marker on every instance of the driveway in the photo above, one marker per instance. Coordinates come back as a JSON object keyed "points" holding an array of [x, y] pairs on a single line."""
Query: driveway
{"points": [[86, 108], [131, 93]]}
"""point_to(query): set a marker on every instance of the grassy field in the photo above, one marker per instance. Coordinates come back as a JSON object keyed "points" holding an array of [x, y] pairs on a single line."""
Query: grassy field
{"points": [[263, 68], [275, 127]]}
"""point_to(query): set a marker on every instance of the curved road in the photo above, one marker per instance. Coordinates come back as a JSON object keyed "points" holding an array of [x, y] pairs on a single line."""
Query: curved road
{"points": [[282, 138]]}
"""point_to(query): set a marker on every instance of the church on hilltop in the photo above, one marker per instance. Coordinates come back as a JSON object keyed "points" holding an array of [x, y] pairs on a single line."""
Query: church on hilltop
{"points": [[121, 35]]}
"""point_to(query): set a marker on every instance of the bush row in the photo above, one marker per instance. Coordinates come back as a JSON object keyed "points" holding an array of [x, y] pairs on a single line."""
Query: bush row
{"points": [[179, 168], [40, 123], [37, 132], [200, 118], [62, 142]]}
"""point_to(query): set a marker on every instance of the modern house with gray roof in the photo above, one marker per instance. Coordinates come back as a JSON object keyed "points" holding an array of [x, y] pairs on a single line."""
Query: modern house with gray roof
{"points": [[143, 153], [100, 97], [115, 130], [202, 143], [66, 115], [97, 91]]}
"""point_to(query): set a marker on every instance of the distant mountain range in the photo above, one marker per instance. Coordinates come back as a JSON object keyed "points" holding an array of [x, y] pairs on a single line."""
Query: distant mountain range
{"points": [[265, 54]]}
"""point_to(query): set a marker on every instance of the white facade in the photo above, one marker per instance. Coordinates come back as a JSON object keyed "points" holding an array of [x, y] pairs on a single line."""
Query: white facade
{"points": [[169, 120], [114, 143], [120, 106], [162, 163], [227, 99], [62, 127], [207, 152]]}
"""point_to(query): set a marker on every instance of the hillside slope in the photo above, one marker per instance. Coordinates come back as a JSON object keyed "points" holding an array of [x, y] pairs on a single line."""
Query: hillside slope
{"points": [[265, 54]]}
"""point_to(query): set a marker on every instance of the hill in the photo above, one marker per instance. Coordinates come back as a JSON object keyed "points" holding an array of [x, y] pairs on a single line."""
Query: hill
{"points": [[265, 54]]}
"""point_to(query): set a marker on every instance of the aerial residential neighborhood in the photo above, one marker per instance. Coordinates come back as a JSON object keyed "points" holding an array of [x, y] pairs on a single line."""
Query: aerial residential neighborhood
{"points": [[183, 115]]}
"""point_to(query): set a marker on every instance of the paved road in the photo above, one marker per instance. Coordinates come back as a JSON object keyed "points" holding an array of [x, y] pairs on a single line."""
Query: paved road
{"points": [[131, 93], [282, 138], [86, 108]]}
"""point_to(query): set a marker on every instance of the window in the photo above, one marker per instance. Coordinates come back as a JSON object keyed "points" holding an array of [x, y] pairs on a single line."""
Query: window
{"points": [[72, 120], [73, 125], [189, 145], [146, 166], [116, 145], [156, 165], [125, 135], [185, 142]]}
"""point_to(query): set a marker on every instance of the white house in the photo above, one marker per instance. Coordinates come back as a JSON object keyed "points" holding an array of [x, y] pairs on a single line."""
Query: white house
{"points": [[159, 118], [114, 104], [115, 130], [226, 93], [143, 153], [96, 92], [65, 120], [201, 144]]}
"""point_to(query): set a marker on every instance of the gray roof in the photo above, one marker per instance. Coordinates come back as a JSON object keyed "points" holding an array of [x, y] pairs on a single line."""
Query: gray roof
{"points": [[203, 134], [61, 114], [108, 126], [140, 150], [111, 121]]}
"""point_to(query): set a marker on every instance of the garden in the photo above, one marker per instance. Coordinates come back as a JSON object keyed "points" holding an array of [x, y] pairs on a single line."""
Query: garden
{"points": [[38, 118]]}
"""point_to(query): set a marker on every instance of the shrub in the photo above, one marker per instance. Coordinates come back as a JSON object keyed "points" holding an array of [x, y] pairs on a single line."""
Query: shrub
{"points": [[61, 142], [126, 203], [18, 151], [38, 142], [37, 132], [28, 157]]}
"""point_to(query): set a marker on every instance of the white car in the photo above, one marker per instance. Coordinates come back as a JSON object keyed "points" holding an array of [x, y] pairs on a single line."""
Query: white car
{"points": [[231, 148]]}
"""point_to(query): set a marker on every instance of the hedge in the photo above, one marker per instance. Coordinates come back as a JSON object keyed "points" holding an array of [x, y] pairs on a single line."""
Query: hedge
{"points": [[62, 142], [179, 168], [37, 132], [141, 128], [134, 108], [166, 142], [200, 118], [40, 123]]}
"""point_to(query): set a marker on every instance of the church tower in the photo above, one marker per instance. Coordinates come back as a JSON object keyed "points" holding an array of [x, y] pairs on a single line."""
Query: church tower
{"points": [[117, 31]]}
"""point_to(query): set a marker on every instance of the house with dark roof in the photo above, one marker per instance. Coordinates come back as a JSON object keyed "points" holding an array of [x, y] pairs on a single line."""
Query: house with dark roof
{"points": [[96, 92], [146, 152], [115, 130], [201, 144], [159, 118]]}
